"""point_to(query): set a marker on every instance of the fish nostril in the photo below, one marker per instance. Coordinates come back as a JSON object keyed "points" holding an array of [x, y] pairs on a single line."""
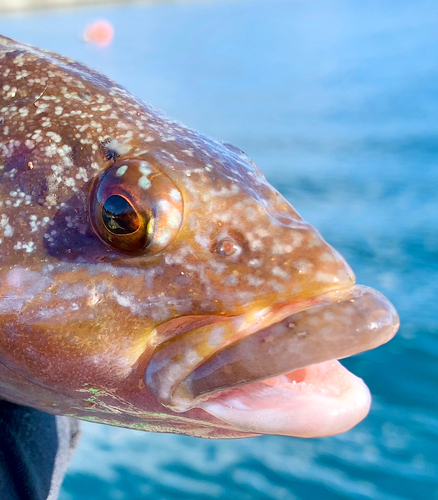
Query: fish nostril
{"points": [[227, 247]]}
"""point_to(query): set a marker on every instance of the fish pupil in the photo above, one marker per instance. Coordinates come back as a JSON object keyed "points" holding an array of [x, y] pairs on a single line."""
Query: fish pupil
{"points": [[119, 216]]}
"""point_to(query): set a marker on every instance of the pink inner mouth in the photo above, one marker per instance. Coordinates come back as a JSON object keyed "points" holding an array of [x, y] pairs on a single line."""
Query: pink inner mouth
{"points": [[319, 400], [296, 376]]}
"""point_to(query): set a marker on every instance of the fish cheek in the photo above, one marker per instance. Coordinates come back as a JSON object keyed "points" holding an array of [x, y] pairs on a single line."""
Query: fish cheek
{"points": [[70, 235], [33, 182], [69, 353], [25, 349]]}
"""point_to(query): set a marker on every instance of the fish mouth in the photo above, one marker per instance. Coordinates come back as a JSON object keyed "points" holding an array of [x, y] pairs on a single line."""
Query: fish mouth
{"points": [[275, 371]]}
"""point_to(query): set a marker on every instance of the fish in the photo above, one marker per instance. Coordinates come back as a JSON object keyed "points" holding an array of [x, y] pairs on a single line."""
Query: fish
{"points": [[151, 278]]}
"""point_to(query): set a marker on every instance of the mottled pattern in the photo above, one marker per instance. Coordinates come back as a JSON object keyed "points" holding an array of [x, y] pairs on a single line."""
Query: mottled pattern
{"points": [[79, 319]]}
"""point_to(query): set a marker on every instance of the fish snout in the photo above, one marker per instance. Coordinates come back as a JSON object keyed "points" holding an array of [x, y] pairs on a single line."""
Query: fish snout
{"points": [[298, 262]]}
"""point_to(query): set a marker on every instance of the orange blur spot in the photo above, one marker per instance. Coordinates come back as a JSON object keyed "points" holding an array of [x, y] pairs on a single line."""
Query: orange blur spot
{"points": [[101, 32]]}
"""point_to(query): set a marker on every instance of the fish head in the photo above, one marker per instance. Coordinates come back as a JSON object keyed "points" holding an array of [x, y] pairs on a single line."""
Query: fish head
{"points": [[152, 278]]}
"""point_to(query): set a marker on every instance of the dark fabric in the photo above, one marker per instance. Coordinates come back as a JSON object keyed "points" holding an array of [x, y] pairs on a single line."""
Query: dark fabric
{"points": [[28, 447]]}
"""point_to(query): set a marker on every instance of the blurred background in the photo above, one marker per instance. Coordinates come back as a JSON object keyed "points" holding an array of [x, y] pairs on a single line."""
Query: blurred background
{"points": [[337, 102]]}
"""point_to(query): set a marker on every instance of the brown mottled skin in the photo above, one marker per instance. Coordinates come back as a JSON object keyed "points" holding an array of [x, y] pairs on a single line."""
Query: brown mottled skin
{"points": [[80, 320]]}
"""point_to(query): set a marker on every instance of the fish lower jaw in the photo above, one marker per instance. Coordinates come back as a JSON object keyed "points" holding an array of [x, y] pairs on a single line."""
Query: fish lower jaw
{"points": [[320, 400]]}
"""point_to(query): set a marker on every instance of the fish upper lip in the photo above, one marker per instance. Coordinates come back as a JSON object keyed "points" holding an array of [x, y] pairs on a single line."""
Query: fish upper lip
{"points": [[268, 343]]}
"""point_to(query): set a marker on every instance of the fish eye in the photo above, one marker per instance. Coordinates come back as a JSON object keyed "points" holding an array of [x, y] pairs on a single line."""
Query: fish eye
{"points": [[135, 208], [119, 216]]}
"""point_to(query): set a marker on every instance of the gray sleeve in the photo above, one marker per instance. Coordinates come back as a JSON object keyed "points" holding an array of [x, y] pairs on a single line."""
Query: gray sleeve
{"points": [[35, 448], [68, 431]]}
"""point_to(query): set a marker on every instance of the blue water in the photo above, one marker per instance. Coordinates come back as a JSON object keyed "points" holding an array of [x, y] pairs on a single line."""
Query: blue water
{"points": [[337, 101]]}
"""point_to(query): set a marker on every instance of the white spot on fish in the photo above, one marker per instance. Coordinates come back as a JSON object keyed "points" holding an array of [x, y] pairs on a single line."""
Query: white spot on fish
{"points": [[175, 194], [323, 277], [144, 182], [216, 336], [231, 280], [119, 148], [278, 271], [163, 238], [121, 170], [145, 168], [254, 280], [8, 230], [303, 266]]}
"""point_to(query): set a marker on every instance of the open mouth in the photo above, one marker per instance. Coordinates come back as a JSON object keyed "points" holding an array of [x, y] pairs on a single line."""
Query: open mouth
{"points": [[322, 399], [276, 371]]}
